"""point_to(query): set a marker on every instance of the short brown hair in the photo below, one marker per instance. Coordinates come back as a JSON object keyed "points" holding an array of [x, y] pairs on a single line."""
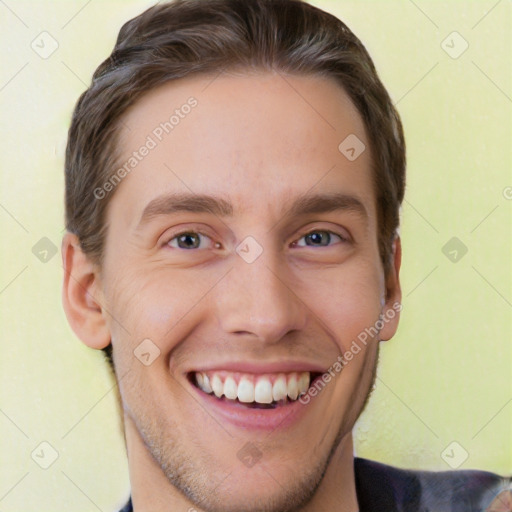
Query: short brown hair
{"points": [[187, 37]]}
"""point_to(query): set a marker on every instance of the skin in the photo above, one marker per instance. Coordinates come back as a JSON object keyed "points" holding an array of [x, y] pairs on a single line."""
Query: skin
{"points": [[259, 140]]}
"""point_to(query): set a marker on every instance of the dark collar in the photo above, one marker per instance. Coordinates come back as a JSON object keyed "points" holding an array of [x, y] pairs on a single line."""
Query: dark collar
{"points": [[382, 488]]}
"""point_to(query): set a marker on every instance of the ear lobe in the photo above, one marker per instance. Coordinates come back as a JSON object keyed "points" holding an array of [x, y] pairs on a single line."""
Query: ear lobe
{"points": [[81, 295], [393, 304]]}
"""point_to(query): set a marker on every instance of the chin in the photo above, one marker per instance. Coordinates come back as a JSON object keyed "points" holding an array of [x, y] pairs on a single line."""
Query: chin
{"points": [[258, 490]]}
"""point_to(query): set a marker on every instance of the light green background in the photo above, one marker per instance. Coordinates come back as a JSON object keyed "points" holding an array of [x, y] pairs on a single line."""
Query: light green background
{"points": [[446, 376]]}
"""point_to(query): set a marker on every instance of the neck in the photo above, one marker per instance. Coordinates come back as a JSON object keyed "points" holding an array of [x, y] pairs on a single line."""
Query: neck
{"points": [[151, 490]]}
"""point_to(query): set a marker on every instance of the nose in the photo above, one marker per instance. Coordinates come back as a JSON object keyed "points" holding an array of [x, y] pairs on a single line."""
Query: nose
{"points": [[258, 299]]}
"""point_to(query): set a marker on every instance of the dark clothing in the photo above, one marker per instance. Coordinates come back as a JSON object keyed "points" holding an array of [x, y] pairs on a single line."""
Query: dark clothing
{"points": [[382, 488]]}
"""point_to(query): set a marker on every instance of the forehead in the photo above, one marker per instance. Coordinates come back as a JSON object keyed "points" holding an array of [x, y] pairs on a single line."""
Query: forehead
{"points": [[257, 140]]}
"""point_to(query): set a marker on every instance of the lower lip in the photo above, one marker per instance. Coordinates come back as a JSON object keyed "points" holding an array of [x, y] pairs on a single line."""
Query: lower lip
{"points": [[280, 418]]}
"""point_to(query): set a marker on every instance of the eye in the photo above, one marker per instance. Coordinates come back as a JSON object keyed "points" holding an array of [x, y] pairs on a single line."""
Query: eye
{"points": [[318, 238], [189, 240]]}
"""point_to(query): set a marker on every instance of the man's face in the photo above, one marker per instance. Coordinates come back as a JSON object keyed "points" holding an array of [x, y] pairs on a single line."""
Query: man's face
{"points": [[291, 297]]}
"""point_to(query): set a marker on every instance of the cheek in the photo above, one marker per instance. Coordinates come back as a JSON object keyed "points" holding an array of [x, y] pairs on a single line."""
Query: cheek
{"points": [[152, 303], [137, 303], [346, 300]]}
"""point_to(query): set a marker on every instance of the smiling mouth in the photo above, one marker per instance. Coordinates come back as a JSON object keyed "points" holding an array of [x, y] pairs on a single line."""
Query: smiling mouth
{"points": [[267, 391]]}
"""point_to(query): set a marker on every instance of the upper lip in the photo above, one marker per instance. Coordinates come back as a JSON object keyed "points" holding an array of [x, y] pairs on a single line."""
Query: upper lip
{"points": [[262, 368]]}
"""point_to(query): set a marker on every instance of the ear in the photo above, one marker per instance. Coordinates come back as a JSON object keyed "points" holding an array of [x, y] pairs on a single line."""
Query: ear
{"points": [[393, 301], [82, 296]]}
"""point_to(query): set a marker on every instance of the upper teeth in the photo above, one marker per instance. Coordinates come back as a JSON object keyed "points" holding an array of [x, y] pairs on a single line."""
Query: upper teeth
{"points": [[249, 388]]}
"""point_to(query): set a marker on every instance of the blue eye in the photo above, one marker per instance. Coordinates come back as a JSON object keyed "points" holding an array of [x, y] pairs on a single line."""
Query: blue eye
{"points": [[193, 240], [187, 240], [318, 238]]}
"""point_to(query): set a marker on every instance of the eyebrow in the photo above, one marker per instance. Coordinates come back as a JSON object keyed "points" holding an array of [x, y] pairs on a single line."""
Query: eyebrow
{"points": [[202, 203], [325, 203]]}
